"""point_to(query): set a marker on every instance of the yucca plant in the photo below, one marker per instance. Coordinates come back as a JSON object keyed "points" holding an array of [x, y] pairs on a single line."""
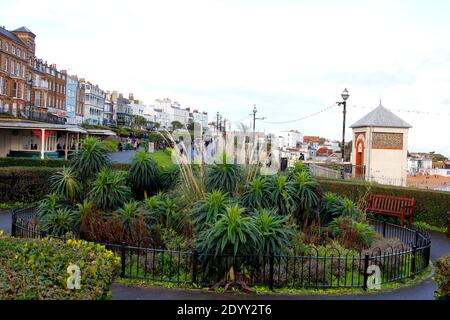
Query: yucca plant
{"points": [[345, 207], [307, 192], [274, 231], [169, 176], [282, 193], [233, 232], [328, 208], [49, 204], [351, 233], [66, 184], [298, 167], [206, 211], [143, 174], [128, 216], [59, 222], [257, 194], [223, 176], [109, 190], [90, 158]]}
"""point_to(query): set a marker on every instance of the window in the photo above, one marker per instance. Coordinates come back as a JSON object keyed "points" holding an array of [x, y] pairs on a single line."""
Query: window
{"points": [[22, 90], [14, 90], [6, 47], [13, 50], [11, 69], [18, 52], [18, 69], [1, 86]]}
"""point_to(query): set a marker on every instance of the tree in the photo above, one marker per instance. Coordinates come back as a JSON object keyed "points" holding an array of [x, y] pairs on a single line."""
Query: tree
{"points": [[138, 122], [177, 125], [157, 125]]}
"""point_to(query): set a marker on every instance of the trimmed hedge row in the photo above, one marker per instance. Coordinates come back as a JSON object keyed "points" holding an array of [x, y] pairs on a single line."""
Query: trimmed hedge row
{"points": [[430, 207], [36, 269], [29, 162], [25, 184]]}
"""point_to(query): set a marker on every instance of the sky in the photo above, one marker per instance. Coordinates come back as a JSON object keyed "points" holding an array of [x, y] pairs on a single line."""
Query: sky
{"points": [[290, 58]]}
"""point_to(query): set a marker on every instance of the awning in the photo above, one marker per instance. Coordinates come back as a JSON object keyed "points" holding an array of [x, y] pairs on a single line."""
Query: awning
{"points": [[22, 125], [101, 132]]}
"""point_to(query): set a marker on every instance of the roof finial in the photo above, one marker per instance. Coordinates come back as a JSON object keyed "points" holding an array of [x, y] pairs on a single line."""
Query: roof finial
{"points": [[380, 103]]}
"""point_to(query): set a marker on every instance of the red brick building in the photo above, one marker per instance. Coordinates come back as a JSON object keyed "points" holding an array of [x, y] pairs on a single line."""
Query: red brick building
{"points": [[16, 54]]}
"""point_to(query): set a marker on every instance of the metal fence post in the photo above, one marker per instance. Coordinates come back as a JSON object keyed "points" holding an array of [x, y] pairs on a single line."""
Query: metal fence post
{"points": [[384, 228], [194, 266], [271, 262], [416, 239], [366, 275], [413, 260], [123, 260], [13, 223]]}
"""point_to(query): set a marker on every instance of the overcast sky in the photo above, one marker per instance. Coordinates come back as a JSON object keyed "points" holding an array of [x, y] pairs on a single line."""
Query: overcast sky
{"points": [[290, 58]]}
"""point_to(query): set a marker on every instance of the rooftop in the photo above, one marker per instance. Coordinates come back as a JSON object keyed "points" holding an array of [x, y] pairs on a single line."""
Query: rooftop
{"points": [[381, 117]]}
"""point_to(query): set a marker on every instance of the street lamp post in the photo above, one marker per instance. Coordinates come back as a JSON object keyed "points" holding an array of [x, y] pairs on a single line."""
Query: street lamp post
{"points": [[254, 123], [217, 123], [343, 103]]}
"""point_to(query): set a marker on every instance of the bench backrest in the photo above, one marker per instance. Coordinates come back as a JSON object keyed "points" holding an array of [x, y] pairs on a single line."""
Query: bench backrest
{"points": [[390, 203]]}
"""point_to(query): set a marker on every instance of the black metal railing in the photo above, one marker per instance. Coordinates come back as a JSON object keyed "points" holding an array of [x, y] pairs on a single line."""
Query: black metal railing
{"points": [[316, 267], [42, 117]]}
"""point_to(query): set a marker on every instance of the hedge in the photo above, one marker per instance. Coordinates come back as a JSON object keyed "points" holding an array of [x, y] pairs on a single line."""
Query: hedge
{"points": [[430, 207], [443, 278], [49, 163], [29, 162], [25, 184], [32, 269]]}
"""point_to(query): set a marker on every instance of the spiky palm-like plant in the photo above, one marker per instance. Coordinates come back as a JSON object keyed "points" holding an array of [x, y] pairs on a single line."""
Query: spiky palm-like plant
{"points": [[90, 158], [233, 232], [274, 231], [282, 194], [328, 208], [169, 176], [109, 190], [345, 207], [223, 176], [143, 174], [66, 184], [207, 211], [257, 194], [59, 222], [49, 204], [128, 216], [307, 193], [298, 167]]}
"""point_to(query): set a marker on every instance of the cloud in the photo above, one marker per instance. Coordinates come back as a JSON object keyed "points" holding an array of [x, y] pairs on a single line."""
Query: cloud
{"points": [[290, 58]]}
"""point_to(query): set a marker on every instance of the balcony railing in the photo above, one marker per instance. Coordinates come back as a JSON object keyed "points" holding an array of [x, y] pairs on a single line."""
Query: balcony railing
{"points": [[42, 117]]}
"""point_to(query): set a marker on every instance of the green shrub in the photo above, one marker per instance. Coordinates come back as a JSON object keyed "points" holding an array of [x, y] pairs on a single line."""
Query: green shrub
{"points": [[37, 269], [168, 151], [25, 184], [223, 176], [430, 207], [110, 145], [109, 190], [257, 194], [443, 278], [27, 162], [352, 234], [90, 159], [143, 174]]}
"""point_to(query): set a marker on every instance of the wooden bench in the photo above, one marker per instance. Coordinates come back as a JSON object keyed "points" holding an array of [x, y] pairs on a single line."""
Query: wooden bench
{"points": [[391, 206]]}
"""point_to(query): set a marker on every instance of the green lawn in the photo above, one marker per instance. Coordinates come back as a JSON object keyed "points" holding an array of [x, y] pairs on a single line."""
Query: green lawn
{"points": [[162, 158]]}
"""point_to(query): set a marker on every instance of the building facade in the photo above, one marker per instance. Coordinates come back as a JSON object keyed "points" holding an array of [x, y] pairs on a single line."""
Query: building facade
{"points": [[94, 103], [124, 112], [380, 142], [71, 99], [16, 54]]}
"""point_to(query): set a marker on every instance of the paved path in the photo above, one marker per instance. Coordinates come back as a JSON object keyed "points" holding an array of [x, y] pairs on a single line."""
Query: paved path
{"points": [[122, 157], [440, 245]]}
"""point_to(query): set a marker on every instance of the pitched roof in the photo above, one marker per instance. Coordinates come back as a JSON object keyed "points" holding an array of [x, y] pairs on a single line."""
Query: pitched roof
{"points": [[23, 29], [381, 117], [11, 36]]}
